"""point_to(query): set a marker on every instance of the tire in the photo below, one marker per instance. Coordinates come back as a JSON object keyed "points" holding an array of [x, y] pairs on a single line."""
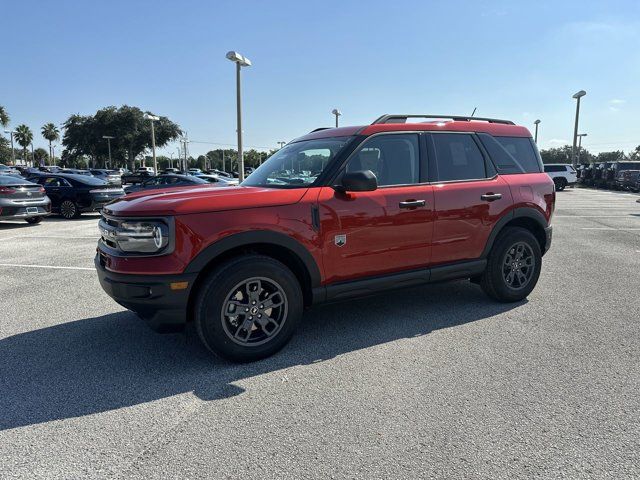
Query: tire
{"points": [[560, 183], [69, 210], [503, 262], [33, 220], [223, 333]]}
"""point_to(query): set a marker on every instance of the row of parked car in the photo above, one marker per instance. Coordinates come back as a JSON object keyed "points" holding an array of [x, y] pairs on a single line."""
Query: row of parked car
{"points": [[31, 194], [611, 175]]}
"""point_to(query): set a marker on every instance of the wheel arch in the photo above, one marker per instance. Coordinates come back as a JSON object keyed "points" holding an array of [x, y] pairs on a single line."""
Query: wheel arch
{"points": [[272, 244], [525, 217]]}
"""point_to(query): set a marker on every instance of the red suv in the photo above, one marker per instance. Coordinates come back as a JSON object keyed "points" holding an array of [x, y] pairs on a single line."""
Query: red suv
{"points": [[337, 213]]}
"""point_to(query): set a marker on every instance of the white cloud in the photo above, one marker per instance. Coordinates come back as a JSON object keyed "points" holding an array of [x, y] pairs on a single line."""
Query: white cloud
{"points": [[614, 104]]}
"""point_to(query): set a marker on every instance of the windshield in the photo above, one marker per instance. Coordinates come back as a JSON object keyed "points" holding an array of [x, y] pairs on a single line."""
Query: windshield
{"points": [[296, 165]]}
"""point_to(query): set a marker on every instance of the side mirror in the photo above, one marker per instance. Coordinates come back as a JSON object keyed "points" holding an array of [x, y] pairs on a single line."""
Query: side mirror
{"points": [[359, 181]]}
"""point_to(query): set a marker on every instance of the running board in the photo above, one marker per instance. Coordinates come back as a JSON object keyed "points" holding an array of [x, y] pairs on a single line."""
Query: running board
{"points": [[372, 285]]}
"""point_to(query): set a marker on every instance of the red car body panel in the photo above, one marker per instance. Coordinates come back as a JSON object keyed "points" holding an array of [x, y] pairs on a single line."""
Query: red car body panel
{"points": [[380, 236], [348, 236], [463, 220]]}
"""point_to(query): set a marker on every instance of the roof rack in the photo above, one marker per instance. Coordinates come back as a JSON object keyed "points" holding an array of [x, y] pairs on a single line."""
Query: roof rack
{"points": [[403, 118]]}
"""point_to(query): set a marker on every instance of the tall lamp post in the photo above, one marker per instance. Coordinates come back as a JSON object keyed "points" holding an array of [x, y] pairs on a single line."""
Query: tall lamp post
{"points": [[282, 144], [337, 113], [13, 152], [577, 96], [108, 139], [153, 118], [240, 62], [537, 122], [580, 135]]}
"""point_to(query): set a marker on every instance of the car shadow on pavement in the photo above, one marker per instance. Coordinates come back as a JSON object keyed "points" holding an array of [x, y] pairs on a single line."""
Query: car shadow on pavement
{"points": [[113, 361]]}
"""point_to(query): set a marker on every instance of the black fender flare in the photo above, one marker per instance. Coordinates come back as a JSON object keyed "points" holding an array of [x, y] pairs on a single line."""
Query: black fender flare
{"points": [[520, 212], [236, 240]]}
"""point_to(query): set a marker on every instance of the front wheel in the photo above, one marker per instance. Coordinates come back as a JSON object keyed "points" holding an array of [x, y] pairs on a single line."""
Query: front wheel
{"points": [[248, 308], [513, 266]]}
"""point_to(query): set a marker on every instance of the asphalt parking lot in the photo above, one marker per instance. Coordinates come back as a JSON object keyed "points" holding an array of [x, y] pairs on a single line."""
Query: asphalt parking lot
{"points": [[432, 382]]}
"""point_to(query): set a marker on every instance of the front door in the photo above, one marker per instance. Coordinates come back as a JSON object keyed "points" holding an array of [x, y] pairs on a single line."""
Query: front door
{"points": [[384, 231]]}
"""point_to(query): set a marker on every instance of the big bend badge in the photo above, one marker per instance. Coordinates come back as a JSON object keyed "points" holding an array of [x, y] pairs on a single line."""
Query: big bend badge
{"points": [[340, 240]]}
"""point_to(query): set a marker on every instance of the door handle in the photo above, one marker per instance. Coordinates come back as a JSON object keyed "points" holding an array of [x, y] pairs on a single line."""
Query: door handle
{"points": [[490, 197], [413, 204]]}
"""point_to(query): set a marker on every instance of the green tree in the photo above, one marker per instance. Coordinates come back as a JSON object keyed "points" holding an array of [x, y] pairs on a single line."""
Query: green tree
{"points": [[24, 137], [51, 133], [635, 154], [5, 151], [4, 117], [563, 155], [615, 156], [41, 156], [131, 131]]}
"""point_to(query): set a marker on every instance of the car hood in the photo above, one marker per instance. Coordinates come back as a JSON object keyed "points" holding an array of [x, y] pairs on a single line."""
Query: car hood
{"points": [[183, 201]]}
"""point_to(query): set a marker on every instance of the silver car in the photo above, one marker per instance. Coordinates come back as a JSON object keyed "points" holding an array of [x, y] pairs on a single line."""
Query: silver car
{"points": [[112, 177], [22, 200]]}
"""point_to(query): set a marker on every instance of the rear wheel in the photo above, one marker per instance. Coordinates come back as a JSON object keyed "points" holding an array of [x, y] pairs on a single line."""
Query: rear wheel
{"points": [[248, 308], [33, 220], [69, 209], [513, 266], [560, 183]]}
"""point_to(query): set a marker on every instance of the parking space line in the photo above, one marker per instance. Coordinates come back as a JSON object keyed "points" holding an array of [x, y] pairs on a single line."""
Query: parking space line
{"points": [[591, 216], [66, 237], [19, 265]]}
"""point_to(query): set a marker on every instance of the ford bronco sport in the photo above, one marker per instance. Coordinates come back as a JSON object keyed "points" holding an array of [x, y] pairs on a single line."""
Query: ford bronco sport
{"points": [[338, 213]]}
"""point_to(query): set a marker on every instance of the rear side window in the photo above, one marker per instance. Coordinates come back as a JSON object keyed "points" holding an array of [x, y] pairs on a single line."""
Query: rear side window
{"points": [[458, 157], [523, 150], [555, 168]]}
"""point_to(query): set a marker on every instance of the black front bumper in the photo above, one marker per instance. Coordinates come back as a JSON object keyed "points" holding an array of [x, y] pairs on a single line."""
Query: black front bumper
{"points": [[149, 296]]}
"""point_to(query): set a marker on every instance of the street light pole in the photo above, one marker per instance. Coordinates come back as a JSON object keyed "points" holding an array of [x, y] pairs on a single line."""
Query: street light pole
{"points": [[13, 151], [33, 157], [240, 62], [153, 118], [108, 138], [537, 122], [577, 96], [337, 113], [580, 135], [282, 144]]}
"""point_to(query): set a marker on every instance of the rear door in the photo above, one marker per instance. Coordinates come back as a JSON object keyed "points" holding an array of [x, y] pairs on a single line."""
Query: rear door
{"points": [[386, 230], [469, 196]]}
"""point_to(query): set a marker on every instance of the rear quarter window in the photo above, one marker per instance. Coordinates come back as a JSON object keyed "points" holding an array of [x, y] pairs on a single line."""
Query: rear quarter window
{"points": [[512, 154]]}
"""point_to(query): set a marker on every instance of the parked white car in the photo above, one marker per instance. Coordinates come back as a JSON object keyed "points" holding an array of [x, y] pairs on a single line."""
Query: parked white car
{"points": [[562, 174], [150, 170]]}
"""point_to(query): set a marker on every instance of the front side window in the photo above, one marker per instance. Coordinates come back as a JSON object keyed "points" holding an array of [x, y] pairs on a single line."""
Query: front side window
{"points": [[394, 159], [458, 157], [298, 164]]}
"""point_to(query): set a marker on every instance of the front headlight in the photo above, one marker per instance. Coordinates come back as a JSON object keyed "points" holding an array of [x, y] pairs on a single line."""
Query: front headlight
{"points": [[142, 236], [137, 236]]}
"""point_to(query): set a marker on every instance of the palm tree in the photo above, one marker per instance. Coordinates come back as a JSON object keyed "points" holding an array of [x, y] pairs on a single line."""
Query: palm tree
{"points": [[24, 136], [50, 132], [4, 117]]}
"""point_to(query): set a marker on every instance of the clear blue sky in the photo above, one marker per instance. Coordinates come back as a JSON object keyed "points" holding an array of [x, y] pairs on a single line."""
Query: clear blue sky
{"points": [[511, 59]]}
